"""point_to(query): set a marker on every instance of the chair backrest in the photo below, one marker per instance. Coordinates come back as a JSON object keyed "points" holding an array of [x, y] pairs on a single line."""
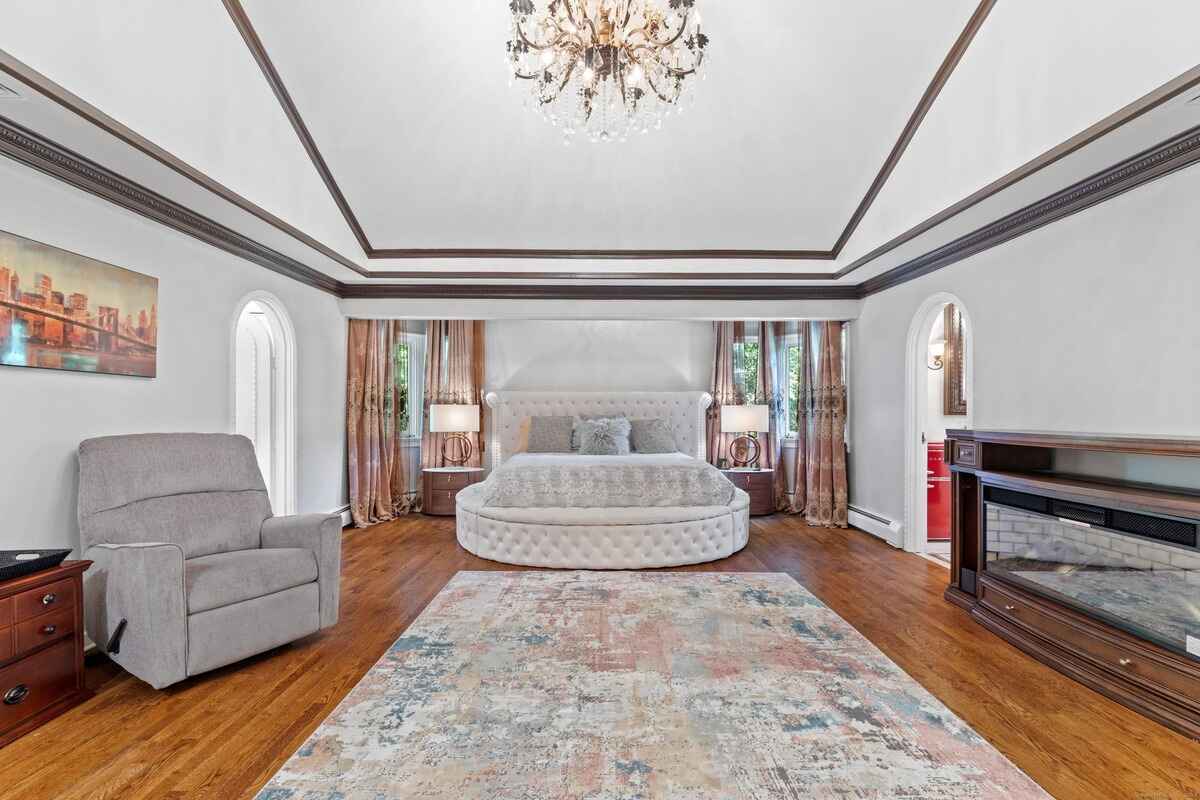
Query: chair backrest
{"points": [[202, 491]]}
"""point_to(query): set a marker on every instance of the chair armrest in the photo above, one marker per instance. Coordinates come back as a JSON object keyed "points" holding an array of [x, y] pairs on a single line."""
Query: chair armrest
{"points": [[142, 583], [322, 534]]}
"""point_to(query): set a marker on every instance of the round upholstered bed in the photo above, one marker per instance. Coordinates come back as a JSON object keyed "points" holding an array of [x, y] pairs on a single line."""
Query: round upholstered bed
{"points": [[632, 537]]}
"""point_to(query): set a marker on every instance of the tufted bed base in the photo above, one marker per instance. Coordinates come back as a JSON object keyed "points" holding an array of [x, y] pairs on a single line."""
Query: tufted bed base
{"points": [[601, 538]]}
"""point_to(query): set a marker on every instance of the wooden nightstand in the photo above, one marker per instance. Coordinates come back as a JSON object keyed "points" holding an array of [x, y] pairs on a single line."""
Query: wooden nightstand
{"points": [[759, 484], [441, 484], [41, 647]]}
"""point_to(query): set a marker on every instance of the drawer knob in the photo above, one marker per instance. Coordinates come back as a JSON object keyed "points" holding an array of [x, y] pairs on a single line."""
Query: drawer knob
{"points": [[47, 599], [49, 629], [1010, 608], [1125, 662], [16, 694]]}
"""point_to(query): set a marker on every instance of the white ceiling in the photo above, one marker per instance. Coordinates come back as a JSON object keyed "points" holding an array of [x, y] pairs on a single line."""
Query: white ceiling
{"points": [[410, 104]]}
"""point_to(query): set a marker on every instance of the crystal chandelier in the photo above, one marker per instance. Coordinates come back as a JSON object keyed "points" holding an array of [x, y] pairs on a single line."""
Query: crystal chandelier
{"points": [[607, 68]]}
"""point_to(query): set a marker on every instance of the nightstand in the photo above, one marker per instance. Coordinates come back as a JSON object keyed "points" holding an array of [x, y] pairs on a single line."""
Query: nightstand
{"points": [[441, 484], [759, 484]]}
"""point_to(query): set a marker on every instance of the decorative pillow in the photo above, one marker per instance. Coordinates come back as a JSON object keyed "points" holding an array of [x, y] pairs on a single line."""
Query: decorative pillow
{"points": [[652, 436], [583, 423], [550, 434], [604, 437]]}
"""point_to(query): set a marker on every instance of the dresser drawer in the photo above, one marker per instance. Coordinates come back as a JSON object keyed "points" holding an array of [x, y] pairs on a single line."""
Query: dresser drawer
{"points": [[446, 481], [34, 633], [7, 644], [1142, 662], [34, 683], [51, 597], [440, 502], [6, 612]]}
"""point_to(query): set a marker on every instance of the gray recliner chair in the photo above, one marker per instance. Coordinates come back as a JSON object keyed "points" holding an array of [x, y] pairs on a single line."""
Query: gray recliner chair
{"points": [[187, 553]]}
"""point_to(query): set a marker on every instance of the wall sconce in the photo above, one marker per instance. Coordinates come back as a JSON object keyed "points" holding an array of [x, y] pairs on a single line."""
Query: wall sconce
{"points": [[936, 356]]}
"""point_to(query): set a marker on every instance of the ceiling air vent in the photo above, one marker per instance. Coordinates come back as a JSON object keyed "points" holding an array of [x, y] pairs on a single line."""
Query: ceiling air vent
{"points": [[8, 94]]}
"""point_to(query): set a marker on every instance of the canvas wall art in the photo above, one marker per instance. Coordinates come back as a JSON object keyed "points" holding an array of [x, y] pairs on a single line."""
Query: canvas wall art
{"points": [[61, 310]]}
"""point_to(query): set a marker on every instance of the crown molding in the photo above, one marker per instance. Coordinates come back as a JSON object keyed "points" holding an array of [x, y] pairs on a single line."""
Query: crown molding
{"points": [[36, 151], [1169, 156], [569, 291], [241, 21]]}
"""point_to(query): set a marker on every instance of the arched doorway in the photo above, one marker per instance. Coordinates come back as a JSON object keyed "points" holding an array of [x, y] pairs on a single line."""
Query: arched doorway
{"points": [[263, 392], [939, 382]]}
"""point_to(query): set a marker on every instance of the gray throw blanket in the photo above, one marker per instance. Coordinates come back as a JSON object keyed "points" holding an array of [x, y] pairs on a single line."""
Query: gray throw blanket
{"points": [[621, 485]]}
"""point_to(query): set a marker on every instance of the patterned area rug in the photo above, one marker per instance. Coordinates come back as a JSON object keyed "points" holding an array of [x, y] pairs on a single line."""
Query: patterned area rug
{"points": [[623, 685]]}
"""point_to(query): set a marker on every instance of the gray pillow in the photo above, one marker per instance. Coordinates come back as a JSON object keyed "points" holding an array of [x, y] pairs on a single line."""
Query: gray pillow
{"points": [[584, 423], [652, 436], [604, 437], [550, 434]]}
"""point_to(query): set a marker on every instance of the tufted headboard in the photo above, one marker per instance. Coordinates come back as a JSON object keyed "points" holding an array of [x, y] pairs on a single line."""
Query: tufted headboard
{"points": [[683, 411]]}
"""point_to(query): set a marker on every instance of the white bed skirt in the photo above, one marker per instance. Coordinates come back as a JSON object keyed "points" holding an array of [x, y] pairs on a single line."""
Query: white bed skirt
{"points": [[601, 538]]}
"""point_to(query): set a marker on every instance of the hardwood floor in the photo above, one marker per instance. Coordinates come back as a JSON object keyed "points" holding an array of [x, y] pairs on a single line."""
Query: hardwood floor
{"points": [[223, 734]]}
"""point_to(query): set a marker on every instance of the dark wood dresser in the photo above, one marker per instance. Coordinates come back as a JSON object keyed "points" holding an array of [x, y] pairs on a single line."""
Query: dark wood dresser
{"points": [[759, 484], [440, 485], [1097, 578], [41, 648]]}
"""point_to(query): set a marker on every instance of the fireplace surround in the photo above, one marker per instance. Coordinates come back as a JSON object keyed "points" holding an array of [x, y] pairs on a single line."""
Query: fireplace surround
{"points": [[1099, 579]]}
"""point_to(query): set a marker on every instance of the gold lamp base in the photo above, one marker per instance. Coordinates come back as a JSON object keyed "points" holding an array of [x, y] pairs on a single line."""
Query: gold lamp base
{"points": [[744, 451], [461, 453]]}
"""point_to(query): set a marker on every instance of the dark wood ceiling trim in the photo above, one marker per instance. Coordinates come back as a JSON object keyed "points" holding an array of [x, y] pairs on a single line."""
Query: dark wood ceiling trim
{"points": [[35, 151], [1168, 91], [242, 22], [1173, 154], [626, 255], [85, 110], [455, 291], [940, 78]]}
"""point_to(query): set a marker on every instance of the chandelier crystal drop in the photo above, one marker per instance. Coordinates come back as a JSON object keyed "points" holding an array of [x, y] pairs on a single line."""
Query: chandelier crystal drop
{"points": [[606, 68]]}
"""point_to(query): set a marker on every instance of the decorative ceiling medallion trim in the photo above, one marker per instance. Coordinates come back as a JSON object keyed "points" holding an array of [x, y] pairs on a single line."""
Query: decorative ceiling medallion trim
{"points": [[242, 21], [1174, 154], [40, 153], [85, 110]]}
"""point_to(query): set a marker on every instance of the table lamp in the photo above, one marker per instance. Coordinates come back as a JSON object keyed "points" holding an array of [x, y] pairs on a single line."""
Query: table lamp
{"points": [[456, 421], [745, 449]]}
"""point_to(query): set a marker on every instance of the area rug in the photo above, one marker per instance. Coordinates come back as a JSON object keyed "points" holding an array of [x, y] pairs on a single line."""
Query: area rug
{"points": [[624, 685]]}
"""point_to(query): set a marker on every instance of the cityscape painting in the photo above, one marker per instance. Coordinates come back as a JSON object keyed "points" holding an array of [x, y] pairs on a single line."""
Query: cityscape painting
{"points": [[60, 310]]}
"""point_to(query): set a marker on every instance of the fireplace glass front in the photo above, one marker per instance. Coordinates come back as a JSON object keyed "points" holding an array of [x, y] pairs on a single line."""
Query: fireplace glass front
{"points": [[1146, 587]]}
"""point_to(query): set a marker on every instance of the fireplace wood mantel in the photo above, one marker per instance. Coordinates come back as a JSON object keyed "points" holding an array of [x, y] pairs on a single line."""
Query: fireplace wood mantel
{"points": [[1156, 681]]}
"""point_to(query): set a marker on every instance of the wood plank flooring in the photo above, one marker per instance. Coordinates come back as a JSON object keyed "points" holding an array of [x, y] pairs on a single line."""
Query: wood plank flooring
{"points": [[224, 734]]}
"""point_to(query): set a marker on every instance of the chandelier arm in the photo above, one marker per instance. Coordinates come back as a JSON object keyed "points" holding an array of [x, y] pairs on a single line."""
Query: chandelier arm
{"points": [[661, 96], [533, 45], [682, 27], [676, 71]]}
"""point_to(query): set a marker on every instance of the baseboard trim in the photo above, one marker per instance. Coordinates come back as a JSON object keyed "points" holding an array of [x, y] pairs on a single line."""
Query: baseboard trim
{"points": [[889, 530]]}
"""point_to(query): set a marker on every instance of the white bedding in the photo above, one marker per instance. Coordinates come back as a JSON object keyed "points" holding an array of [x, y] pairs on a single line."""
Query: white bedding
{"points": [[637, 480]]}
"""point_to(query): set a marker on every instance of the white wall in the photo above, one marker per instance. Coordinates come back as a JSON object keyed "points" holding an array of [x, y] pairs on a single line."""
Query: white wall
{"points": [[596, 355], [47, 413], [1089, 324]]}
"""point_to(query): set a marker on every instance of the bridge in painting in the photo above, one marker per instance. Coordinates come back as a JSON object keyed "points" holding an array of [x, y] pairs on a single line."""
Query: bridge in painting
{"points": [[24, 309]]}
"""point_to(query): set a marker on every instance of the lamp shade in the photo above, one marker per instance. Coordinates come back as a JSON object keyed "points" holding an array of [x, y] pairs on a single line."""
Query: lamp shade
{"points": [[742, 419], [453, 418]]}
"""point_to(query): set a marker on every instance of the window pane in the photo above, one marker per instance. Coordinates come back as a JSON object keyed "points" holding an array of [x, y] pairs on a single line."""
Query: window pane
{"points": [[793, 387], [402, 364]]}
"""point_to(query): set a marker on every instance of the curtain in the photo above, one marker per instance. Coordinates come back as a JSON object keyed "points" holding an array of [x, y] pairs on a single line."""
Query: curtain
{"points": [[770, 392], [453, 374], [825, 448], [725, 389], [379, 482]]}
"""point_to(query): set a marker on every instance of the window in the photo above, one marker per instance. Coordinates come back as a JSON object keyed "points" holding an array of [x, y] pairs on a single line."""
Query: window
{"points": [[745, 368], [793, 360], [409, 358]]}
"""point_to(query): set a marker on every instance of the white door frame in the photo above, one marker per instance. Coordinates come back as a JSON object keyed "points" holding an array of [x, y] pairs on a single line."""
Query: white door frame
{"points": [[283, 411], [916, 396]]}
